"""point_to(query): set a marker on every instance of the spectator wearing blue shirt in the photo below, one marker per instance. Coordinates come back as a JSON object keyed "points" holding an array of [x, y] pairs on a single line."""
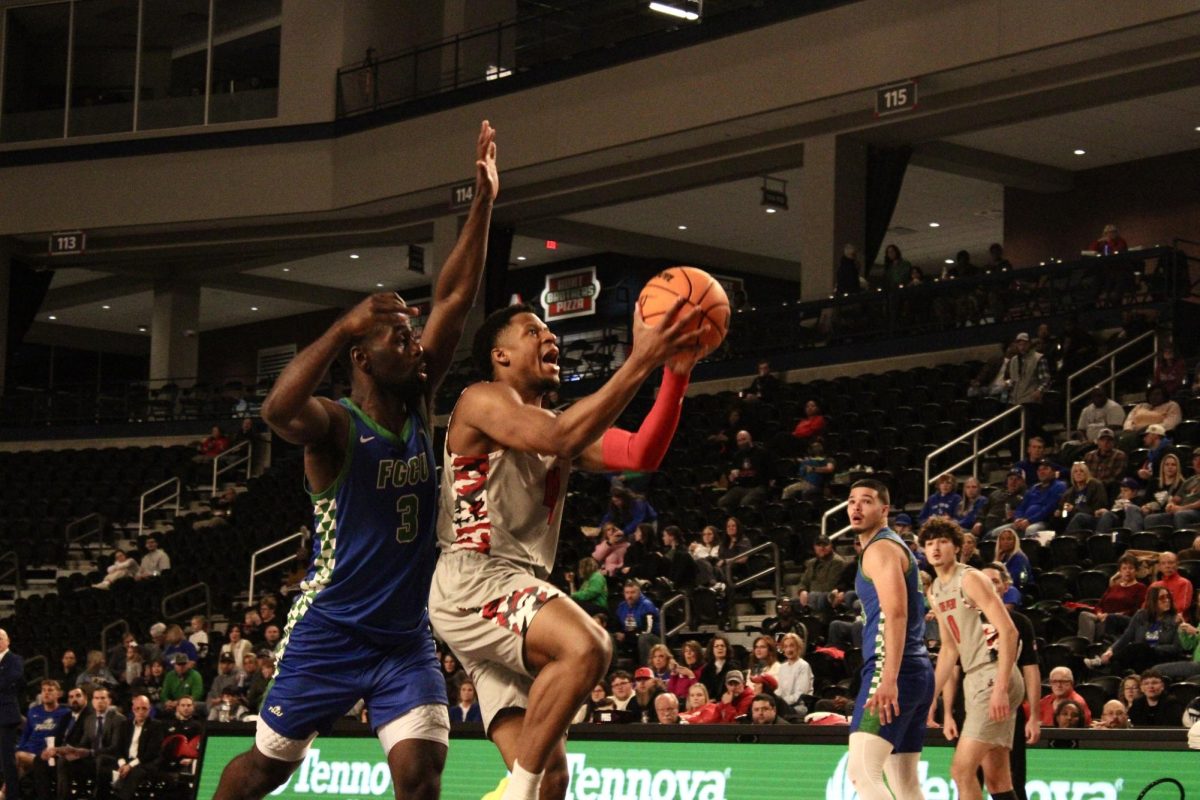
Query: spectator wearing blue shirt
{"points": [[971, 505], [41, 720], [627, 510], [811, 473], [178, 643], [1035, 453], [1011, 595], [467, 707], [943, 504], [635, 623], [1033, 514], [1009, 553], [1157, 442]]}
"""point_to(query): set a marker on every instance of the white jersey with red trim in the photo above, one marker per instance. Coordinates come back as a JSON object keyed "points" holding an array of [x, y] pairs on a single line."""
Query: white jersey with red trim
{"points": [[506, 504]]}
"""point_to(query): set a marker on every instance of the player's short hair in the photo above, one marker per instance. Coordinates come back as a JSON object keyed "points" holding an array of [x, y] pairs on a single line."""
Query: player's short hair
{"points": [[940, 528], [489, 332], [879, 487]]}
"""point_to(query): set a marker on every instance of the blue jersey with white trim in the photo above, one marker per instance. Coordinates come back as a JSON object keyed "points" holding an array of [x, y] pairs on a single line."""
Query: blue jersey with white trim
{"points": [[874, 624], [374, 534]]}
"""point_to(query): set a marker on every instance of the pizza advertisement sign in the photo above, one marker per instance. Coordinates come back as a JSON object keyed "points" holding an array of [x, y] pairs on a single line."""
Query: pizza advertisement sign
{"points": [[570, 294]]}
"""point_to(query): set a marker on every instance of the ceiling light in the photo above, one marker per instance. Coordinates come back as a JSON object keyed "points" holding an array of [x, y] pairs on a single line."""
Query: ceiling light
{"points": [[683, 227], [520, 258], [254, 308], [949, 260], [1080, 151], [354, 255], [106, 308], [51, 317], [676, 11], [379, 285], [142, 329], [772, 210], [935, 224], [287, 269]]}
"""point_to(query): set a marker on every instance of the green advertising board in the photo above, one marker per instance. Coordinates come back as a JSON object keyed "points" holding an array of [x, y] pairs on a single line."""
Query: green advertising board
{"points": [[353, 768]]}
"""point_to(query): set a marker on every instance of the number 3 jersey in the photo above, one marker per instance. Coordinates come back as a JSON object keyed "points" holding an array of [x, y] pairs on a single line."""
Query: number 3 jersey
{"points": [[506, 503], [373, 537]]}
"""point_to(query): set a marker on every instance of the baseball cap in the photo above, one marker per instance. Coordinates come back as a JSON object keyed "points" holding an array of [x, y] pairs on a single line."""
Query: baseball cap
{"points": [[766, 681], [1131, 483], [1017, 471], [823, 541], [643, 672], [227, 657], [179, 658], [903, 519], [1022, 337], [735, 676], [1105, 432], [1156, 428], [1045, 462]]}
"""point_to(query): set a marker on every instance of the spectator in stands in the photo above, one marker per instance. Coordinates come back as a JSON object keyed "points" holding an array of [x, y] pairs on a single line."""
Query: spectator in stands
{"points": [[971, 504], [1124, 511], [765, 387], [268, 611], [1071, 714], [989, 381], [41, 720], [944, 502], [812, 426], [811, 473], [228, 707], [1000, 503], [198, 636], [1085, 496], [916, 276], [214, 444], [1183, 510], [122, 568], [1114, 717], [730, 561], [1009, 553], [466, 706], [690, 672], [1188, 666], [72, 746], [1159, 492], [726, 438], [749, 475], [737, 697], [259, 683], [708, 548], [1110, 242], [106, 737], [181, 681], [642, 559], [1131, 689], [1099, 415], [247, 673], [154, 648], [271, 636], [679, 567], [252, 626], [795, 676], [116, 654], [96, 672], [820, 575], [785, 620], [996, 260], [176, 643], [610, 553], [719, 665], [1107, 462], [151, 682], [183, 735], [588, 587], [1170, 370], [627, 510], [666, 709], [598, 699], [1062, 689], [1033, 514], [1191, 553], [1155, 709], [895, 268], [132, 666], [635, 623], [660, 662], [700, 710], [646, 687], [1169, 578], [970, 552], [763, 658], [697, 698], [1121, 600], [902, 524], [622, 698], [453, 673], [1035, 453], [1157, 409], [762, 711], [1028, 377], [226, 678], [849, 274], [155, 562], [235, 644], [68, 673], [1150, 638]]}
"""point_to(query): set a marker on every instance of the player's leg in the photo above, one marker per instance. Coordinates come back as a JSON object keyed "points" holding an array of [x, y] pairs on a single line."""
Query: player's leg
{"points": [[997, 774], [968, 755], [253, 775], [903, 775], [416, 766], [868, 755], [505, 732]]}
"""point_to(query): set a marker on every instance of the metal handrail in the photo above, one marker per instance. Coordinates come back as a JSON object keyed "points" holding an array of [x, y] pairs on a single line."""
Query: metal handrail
{"points": [[14, 570], [143, 508], [976, 450], [1113, 373], [731, 585], [39, 676], [75, 524], [122, 623], [255, 570], [205, 607], [245, 459], [672, 601], [825, 520]]}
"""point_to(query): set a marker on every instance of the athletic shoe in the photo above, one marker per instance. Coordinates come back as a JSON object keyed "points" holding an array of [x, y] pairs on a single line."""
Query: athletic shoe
{"points": [[498, 792]]}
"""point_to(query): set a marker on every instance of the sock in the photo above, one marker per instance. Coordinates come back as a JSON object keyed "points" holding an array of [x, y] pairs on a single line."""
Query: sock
{"points": [[522, 784], [1009, 795]]}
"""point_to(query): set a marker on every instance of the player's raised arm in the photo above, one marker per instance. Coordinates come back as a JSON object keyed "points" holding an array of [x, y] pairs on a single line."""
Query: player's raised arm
{"points": [[884, 564], [458, 281], [290, 408], [981, 592]]}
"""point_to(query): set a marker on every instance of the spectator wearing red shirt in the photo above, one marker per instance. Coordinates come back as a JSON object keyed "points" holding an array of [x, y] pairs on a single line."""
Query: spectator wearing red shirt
{"points": [[1062, 687], [1110, 242], [1180, 587], [1121, 600], [214, 444], [738, 697], [812, 425]]}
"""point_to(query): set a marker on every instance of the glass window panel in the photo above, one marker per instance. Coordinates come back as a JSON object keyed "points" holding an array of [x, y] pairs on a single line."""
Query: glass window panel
{"points": [[245, 77], [103, 63], [35, 72], [174, 63]]}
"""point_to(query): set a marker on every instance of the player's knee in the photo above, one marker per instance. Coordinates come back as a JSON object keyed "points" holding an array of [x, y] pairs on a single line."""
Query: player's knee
{"points": [[416, 784], [589, 650]]}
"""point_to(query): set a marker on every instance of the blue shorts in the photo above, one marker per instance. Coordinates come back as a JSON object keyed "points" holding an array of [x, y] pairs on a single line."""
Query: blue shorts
{"points": [[914, 687], [324, 672]]}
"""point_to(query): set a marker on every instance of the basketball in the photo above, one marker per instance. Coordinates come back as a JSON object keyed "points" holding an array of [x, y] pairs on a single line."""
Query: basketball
{"points": [[700, 289]]}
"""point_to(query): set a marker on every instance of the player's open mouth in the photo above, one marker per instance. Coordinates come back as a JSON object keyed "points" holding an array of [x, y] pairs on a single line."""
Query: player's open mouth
{"points": [[550, 357]]}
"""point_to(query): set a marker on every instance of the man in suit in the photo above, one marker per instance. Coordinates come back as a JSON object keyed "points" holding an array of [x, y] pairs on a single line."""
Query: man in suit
{"points": [[12, 681], [106, 734], [72, 748], [134, 759]]}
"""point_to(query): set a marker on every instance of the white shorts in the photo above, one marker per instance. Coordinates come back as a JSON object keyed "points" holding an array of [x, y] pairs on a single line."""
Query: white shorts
{"points": [[482, 606], [977, 700], [430, 722]]}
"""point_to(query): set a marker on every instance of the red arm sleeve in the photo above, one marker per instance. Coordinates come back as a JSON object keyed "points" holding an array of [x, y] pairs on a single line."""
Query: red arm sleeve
{"points": [[645, 449]]}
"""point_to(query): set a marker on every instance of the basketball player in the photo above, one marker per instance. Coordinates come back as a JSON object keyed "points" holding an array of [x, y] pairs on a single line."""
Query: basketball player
{"points": [[359, 629], [887, 730], [532, 652], [976, 630]]}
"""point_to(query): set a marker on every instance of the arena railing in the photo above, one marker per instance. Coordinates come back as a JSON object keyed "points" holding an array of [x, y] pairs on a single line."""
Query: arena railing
{"points": [[256, 570], [830, 512], [672, 602], [143, 508], [1109, 359], [94, 531], [203, 607], [121, 625], [12, 572], [219, 470], [976, 450], [774, 572]]}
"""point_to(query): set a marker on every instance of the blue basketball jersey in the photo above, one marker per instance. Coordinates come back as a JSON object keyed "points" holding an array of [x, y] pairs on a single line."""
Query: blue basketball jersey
{"points": [[873, 627], [374, 537]]}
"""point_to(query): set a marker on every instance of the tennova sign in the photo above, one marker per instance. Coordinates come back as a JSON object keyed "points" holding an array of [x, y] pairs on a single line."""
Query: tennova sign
{"points": [[592, 783], [570, 294]]}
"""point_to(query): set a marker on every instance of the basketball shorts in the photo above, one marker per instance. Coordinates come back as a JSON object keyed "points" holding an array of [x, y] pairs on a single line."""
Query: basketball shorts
{"points": [[482, 606], [977, 697], [324, 671], [914, 685]]}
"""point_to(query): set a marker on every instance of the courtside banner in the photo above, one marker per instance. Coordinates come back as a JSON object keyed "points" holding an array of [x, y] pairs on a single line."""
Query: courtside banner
{"points": [[353, 768]]}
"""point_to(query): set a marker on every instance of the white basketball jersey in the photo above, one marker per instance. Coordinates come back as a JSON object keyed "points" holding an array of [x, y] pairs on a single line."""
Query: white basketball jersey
{"points": [[977, 640]]}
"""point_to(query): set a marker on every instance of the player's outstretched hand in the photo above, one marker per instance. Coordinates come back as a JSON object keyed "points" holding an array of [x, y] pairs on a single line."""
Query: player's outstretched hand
{"points": [[487, 178], [998, 709], [885, 701], [671, 338], [383, 308]]}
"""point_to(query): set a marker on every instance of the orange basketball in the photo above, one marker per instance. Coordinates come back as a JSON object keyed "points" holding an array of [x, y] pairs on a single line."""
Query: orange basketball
{"points": [[700, 289]]}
